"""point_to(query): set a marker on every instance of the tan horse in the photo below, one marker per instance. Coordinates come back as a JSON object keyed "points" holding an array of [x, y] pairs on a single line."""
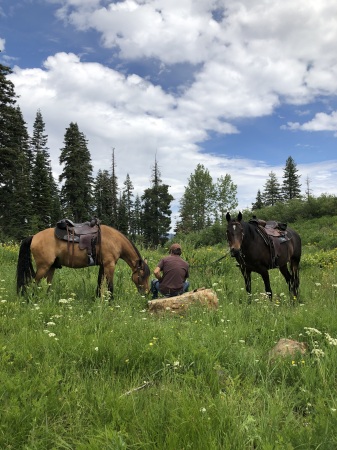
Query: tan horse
{"points": [[50, 253]]}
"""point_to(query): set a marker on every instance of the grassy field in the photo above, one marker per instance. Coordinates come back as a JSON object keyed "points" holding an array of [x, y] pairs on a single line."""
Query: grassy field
{"points": [[79, 372]]}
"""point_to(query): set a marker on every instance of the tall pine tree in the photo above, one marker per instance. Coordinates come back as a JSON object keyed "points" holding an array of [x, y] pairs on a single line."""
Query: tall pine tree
{"points": [[258, 202], [272, 190], [103, 199], [15, 189], [156, 212], [114, 192], [291, 187], [76, 191], [46, 203]]}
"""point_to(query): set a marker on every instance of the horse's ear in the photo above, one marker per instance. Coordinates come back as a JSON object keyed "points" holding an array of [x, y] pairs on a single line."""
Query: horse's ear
{"points": [[228, 217], [239, 216], [145, 260]]}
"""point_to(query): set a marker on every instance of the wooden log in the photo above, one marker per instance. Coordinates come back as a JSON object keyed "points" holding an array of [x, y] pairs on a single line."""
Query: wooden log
{"points": [[180, 303]]}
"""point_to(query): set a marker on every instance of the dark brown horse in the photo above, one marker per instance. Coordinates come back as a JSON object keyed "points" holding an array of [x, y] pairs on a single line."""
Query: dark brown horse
{"points": [[50, 253], [253, 254]]}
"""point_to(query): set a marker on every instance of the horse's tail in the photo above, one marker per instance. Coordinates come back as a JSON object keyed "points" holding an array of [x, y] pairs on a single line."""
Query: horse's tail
{"points": [[24, 270]]}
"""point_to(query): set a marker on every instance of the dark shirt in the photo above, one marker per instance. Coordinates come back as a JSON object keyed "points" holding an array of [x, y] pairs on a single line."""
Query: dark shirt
{"points": [[175, 272]]}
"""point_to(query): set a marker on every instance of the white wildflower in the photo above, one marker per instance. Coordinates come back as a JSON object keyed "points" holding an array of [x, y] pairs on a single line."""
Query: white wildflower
{"points": [[311, 331], [317, 352]]}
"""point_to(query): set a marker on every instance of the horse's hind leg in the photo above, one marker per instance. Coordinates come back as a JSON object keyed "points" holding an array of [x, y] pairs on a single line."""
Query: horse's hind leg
{"points": [[45, 272], [292, 278], [285, 272], [295, 278]]}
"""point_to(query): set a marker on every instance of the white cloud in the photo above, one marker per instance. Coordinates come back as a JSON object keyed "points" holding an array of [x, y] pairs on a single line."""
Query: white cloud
{"points": [[321, 122], [247, 58], [2, 44]]}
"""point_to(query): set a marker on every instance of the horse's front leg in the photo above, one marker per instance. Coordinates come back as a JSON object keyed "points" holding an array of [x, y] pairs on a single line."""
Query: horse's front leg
{"points": [[100, 280], [265, 277], [247, 275]]}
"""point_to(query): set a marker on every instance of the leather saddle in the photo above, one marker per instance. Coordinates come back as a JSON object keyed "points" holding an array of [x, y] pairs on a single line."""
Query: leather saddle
{"points": [[274, 234], [85, 234]]}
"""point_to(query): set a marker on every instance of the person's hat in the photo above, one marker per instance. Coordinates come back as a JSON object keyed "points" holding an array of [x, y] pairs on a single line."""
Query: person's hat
{"points": [[175, 247]]}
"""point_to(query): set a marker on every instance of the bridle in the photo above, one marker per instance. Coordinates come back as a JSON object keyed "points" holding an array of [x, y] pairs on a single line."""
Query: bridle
{"points": [[137, 272], [235, 224]]}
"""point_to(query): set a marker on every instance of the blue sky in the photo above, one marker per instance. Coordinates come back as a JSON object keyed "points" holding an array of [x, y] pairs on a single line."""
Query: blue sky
{"points": [[237, 86]]}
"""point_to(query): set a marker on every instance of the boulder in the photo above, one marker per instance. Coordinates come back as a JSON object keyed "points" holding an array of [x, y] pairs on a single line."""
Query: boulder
{"points": [[288, 347]]}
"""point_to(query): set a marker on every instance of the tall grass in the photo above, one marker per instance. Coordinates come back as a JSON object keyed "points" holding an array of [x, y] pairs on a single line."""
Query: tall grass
{"points": [[78, 372]]}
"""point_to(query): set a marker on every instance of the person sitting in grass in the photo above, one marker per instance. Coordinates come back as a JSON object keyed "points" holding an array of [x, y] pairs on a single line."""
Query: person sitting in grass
{"points": [[171, 274]]}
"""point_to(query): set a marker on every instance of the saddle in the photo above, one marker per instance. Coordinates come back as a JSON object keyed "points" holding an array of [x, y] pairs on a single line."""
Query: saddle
{"points": [[86, 235], [274, 234]]}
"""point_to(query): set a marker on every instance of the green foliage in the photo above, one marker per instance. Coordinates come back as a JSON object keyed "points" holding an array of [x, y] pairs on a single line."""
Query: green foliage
{"points": [[296, 209], [204, 202]]}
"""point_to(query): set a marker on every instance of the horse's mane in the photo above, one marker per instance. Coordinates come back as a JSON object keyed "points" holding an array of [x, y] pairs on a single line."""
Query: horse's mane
{"points": [[130, 242], [249, 229]]}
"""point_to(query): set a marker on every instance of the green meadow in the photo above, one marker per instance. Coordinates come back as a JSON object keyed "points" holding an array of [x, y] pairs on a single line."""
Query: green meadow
{"points": [[79, 372]]}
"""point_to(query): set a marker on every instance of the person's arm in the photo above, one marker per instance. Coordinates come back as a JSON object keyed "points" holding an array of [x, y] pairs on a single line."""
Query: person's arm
{"points": [[157, 273]]}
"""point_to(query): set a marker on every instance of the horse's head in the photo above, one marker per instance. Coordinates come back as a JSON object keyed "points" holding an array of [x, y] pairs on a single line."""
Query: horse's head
{"points": [[234, 234], [141, 275]]}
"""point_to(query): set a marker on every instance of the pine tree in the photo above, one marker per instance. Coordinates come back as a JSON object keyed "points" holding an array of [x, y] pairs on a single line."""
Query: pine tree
{"points": [[291, 187], [197, 202], [114, 192], [44, 191], [136, 225], [272, 191], [127, 196], [123, 221], [156, 212], [103, 199], [7, 149], [17, 204], [259, 201], [76, 191]]}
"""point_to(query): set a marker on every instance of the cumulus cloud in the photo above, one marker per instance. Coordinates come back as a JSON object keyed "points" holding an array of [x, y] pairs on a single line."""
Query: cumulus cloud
{"points": [[321, 122], [245, 60]]}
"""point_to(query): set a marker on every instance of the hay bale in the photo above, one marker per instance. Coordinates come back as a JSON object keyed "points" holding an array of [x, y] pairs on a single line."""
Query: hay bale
{"points": [[180, 303]]}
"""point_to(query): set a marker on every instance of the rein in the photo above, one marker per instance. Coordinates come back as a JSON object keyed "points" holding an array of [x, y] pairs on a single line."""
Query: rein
{"points": [[210, 264]]}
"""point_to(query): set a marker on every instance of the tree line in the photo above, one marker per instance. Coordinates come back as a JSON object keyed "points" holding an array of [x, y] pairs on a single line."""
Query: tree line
{"points": [[31, 199]]}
